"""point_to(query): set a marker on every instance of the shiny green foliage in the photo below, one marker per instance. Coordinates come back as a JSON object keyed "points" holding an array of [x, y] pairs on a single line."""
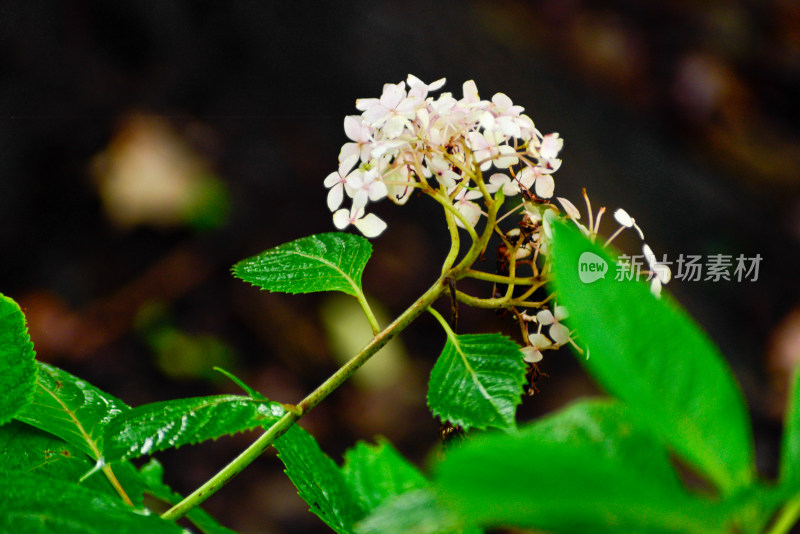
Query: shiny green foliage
{"points": [[322, 262], [588, 469], [650, 354], [17, 366], [33, 504], [71, 408], [163, 425], [477, 381], [152, 474]]}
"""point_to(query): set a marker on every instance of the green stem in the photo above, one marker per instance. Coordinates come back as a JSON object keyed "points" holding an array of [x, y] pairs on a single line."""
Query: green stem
{"points": [[787, 517], [284, 423], [373, 322], [499, 278], [443, 322]]}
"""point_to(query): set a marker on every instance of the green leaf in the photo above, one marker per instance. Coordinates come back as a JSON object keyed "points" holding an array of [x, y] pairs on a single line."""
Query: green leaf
{"points": [[651, 355], [17, 366], [477, 381], [318, 480], [378, 472], [71, 408], [163, 425], [416, 511], [153, 475], [322, 262], [790, 448], [586, 469], [38, 505], [30, 450]]}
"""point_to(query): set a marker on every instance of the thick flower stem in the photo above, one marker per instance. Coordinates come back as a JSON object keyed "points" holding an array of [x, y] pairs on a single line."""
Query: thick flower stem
{"points": [[284, 423]]}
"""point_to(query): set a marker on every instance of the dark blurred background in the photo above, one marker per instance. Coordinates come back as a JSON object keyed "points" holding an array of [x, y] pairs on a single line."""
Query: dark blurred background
{"points": [[147, 146]]}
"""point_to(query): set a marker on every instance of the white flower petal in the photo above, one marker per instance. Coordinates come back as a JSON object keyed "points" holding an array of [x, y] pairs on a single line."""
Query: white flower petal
{"points": [[561, 313], [341, 219], [545, 317], [559, 333], [370, 225], [623, 218], [531, 354], [545, 186], [335, 196], [569, 208], [539, 341]]}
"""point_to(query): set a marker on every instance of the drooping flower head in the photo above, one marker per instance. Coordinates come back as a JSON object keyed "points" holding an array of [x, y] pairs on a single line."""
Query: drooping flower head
{"points": [[407, 140]]}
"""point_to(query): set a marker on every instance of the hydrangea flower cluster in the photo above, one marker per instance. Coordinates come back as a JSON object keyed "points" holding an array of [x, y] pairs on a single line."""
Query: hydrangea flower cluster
{"points": [[407, 140]]}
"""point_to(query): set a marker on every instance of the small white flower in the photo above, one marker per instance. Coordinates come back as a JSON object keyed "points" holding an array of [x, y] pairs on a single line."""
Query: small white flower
{"points": [[470, 210], [627, 221], [420, 89], [533, 353], [659, 273], [362, 186], [370, 225], [360, 134], [335, 181], [558, 332]]}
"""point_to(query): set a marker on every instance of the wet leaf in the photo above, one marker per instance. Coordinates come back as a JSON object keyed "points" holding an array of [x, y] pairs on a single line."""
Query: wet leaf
{"points": [[163, 425], [322, 262]]}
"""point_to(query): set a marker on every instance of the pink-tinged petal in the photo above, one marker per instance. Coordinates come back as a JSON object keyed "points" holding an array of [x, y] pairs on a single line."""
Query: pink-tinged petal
{"points": [[559, 333], [332, 179], [470, 211], [496, 181], [348, 150], [335, 196], [526, 177], [352, 127], [347, 164], [551, 146], [531, 354], [545, 186], [363, 104], [470, 91], [370, 225], [508, 157], [341, 219]]}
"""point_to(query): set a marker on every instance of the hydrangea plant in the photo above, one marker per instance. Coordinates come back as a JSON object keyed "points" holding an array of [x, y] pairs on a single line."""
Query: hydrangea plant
{"points": [[609, 464]]}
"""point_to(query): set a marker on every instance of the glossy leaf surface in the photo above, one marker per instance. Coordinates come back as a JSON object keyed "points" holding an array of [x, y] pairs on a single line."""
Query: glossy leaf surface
{"points": [[322, 262], [477, 381], [17, 366], [71, 408], [651, 355], [163, 425]]}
